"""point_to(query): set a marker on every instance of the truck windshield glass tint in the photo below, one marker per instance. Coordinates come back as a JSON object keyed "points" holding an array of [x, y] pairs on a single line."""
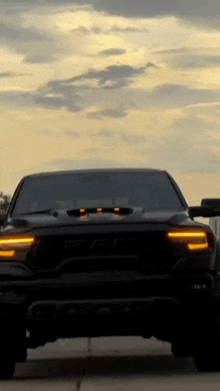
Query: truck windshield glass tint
{"points": [[152, 191]]}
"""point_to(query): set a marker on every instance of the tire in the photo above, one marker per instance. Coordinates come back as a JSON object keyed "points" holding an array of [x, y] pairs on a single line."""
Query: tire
{"points": [[7, 368], [207, 363]]}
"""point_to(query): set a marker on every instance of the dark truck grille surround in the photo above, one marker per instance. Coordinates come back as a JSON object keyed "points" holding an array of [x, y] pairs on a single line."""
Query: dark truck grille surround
{"points": [[131, 251]]}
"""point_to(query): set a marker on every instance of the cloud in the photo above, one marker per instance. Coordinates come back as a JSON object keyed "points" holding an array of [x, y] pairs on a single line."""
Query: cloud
{"points": [[72, 93], [187, 58], [18, 34], [113, 113], [40, 58], [112, 52], [71, 134], [75, 95], [12, 74], [195, 61], [56, 102], [113, 76], [94, 29], [132, 138], [58, 94], [197, 12], [104, 88], [36, 46], [174, 95], [17, 98], [106, 133], [6, 74], [68, 93], [179, 50], [188, 148], [61, 133], [120, 136], [73, 164], [118, 29], [166, 96], [87, 31]]}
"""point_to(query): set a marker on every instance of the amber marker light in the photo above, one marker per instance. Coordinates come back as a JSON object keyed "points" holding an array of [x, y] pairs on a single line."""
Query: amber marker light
{"points": [[11, 241], [8, 245], [116, 212], [83, 214], [201, 246], [187, 235], [7, 254], [193, 240], [83, 217], [99, 210]]}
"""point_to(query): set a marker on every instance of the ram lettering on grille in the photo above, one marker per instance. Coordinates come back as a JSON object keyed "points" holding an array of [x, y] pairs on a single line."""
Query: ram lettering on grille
{"points": [[98, 244]]}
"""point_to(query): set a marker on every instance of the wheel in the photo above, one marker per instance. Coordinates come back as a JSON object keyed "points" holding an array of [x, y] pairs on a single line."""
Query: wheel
{"points": [[7, 368], [207, 363]]}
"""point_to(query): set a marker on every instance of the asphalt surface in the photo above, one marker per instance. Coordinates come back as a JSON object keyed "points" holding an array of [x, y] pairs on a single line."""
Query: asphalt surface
{"points": [[124, 363]]}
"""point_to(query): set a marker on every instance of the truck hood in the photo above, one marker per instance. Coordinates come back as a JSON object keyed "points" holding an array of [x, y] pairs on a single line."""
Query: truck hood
{"points": [[62, 219]]}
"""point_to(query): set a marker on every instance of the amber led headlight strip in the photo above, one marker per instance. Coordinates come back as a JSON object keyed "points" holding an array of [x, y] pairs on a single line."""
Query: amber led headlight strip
{"points": [[195, 240], [9, 245]]}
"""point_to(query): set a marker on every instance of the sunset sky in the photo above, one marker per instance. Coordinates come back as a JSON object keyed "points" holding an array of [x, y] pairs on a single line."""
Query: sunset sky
{"points": [[111, 83]]}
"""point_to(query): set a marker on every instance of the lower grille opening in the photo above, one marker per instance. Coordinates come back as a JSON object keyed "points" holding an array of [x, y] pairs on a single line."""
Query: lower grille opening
{"points": [[43, 311]]}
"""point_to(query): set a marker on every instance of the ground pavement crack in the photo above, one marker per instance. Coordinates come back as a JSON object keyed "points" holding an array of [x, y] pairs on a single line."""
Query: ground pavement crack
{"points": [[87, 367]]}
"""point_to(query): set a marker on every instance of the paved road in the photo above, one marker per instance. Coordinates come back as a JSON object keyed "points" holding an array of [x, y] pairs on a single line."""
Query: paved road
{"points": [[107, 364]]}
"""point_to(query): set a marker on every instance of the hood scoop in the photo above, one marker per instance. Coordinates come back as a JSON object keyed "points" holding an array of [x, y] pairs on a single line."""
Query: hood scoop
{"points": [[99, 210]]}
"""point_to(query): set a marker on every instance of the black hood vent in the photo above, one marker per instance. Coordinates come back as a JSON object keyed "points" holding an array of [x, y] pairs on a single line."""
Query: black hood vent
{"points": [[86, 211]]}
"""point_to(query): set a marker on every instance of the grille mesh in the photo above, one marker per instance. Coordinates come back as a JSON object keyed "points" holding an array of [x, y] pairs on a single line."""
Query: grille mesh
{"points": [[131, 251]]}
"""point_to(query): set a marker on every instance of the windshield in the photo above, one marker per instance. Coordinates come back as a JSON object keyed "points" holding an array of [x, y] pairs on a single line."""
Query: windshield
{"points": [[151, 190]]}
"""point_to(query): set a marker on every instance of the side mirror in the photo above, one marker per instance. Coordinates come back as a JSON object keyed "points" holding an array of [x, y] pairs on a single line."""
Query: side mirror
{"points": [[3, 218], [204, 211], [211, 202]]}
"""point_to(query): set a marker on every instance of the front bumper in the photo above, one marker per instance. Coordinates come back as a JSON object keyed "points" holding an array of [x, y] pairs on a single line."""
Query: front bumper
{"points": [[169, 306], [48, 310]]}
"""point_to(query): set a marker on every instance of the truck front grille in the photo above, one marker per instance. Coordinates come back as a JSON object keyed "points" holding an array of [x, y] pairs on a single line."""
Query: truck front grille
{"points": [[127, 251]]}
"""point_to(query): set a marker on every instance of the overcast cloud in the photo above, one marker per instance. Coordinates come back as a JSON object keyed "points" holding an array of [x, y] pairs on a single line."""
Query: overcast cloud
{"points": [[105, 79], [204, 12], [187, 149], [112, 52], [37, 46], [75, 98]]}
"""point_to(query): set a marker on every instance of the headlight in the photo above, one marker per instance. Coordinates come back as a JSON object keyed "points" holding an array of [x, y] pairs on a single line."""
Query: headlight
{"points": [[9, 245], [194, 240]]}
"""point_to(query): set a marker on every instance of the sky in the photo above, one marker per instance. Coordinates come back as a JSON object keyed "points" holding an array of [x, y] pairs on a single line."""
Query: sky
{"points": [[111, 83]]}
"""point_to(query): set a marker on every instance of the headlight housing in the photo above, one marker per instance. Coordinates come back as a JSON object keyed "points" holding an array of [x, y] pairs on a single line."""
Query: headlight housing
{"points": [[10, 245], [193, 240]]}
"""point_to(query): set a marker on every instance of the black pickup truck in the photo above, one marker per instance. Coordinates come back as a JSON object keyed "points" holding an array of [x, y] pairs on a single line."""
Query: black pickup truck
{"points": [[108, 252]]}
